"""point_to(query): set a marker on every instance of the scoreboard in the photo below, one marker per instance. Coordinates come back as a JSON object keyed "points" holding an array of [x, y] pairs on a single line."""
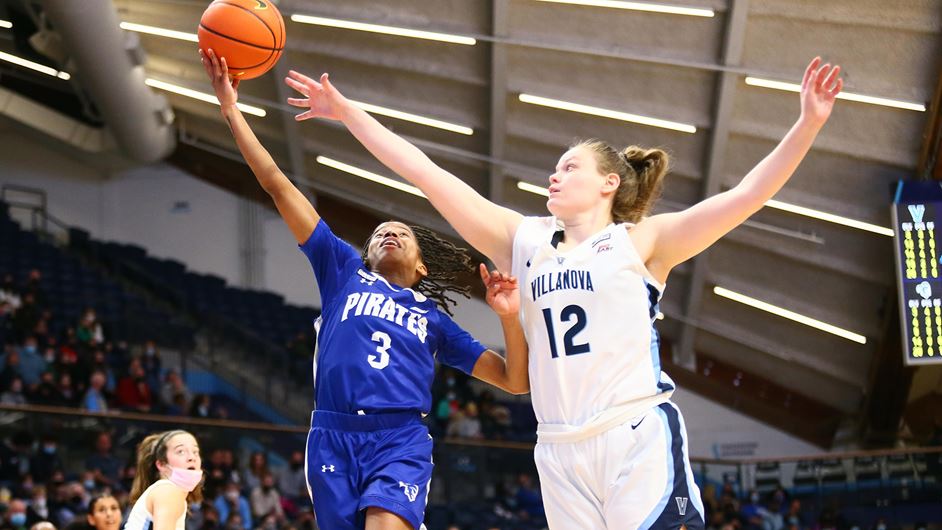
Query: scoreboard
{"points": [[917, 224]]}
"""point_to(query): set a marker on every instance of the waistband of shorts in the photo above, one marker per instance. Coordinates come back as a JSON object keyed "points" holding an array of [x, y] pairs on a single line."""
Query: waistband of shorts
{"points": [[363, 422], [603, 421]]}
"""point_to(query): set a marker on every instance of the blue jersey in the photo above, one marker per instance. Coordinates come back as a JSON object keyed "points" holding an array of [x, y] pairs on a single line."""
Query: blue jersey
{"points": [[376, 342]]}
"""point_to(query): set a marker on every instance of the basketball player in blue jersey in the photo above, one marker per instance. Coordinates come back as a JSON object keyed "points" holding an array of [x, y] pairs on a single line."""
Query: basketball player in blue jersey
{"points": [[612, 450], [369, 456]]}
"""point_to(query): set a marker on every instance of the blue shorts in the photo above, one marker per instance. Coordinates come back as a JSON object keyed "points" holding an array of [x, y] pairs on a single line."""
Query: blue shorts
{"points": [[355, 462]]}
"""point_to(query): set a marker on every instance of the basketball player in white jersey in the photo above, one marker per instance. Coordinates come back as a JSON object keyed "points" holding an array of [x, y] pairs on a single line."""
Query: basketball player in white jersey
{"points": [[169, 477], [612, 450]]}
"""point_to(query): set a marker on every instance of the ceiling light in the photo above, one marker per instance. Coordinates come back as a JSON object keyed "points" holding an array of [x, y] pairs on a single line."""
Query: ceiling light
{"points": [[850, 96], [373, 177], [829, 217], [161, 32], [387, 30], [6, 24], [605, 113], [414, 118], [639, 6], [526, 186], [202, 96], [790, 315], [34, 66]]}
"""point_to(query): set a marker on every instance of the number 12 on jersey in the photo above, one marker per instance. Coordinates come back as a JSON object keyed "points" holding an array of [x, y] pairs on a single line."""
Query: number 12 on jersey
{"points": [[569, 338]]}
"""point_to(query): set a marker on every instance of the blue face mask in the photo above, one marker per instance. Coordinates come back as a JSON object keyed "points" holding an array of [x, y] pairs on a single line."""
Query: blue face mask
{"points": [[18, 519], [29, 349], [49, 449]]}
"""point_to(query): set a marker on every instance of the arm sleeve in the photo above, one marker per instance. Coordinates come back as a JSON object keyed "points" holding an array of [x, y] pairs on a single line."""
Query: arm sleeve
{"points": [[456, 347], [332, 259]]}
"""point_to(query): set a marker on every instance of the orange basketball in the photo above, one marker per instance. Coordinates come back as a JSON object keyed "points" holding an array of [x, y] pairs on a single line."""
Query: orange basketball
{"points": [[250, 34]]}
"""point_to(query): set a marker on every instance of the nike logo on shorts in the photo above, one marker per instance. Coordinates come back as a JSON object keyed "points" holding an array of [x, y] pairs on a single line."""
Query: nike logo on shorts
{"points": [[635, 426]]}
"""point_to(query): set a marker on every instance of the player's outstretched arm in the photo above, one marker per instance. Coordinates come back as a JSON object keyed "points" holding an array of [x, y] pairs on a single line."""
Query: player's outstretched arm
{"points": [[486, 226], [510, 374], [295, 209], [682, 235]]}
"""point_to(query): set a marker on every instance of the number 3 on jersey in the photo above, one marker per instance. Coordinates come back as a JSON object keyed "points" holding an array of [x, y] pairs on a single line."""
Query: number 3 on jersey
{"points": [[569, 337], [383, 350]]}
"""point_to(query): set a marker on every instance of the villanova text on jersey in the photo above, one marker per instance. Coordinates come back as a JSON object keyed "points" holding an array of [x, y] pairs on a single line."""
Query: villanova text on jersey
{"points": [[559, 280], [372, 304]]}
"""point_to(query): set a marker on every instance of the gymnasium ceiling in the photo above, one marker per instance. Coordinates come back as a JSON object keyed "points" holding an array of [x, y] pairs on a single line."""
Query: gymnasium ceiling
{"points": [[691, 70]]}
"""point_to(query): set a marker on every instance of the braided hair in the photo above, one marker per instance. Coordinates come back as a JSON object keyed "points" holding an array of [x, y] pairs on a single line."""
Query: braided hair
{"points": [[445, 261]]}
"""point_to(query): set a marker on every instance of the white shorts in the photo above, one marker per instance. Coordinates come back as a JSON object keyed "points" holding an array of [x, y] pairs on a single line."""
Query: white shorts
{"points": [[634, 476]]}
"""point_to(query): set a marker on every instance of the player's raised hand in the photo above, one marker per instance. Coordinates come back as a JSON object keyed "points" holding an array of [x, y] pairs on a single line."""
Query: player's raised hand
{"points": [[226, 89], [503, 292], [819, 88], [322, 99]]}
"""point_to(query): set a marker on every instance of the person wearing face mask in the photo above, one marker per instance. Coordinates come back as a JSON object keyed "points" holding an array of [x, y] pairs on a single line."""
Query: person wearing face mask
{"points": [[230, 502], [104, 513], [291, 480], [32, 364], [266, 500], [15, 518], [89, 329], [46, 461], [38, 509], [169, 478]]}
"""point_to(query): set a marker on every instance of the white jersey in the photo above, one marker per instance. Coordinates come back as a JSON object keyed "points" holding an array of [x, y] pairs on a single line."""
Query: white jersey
{"points": [[141, 519], [589, 315]]}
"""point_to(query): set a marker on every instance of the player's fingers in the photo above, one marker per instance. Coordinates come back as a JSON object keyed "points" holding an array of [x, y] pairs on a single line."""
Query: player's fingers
{"points": [[810, 70], [299, 102], [484, 274], [304, 116], [297, 85], [235, 83]]}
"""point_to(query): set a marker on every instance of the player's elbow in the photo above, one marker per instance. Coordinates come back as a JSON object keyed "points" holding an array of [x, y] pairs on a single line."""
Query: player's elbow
{"points": [[518, 389]]}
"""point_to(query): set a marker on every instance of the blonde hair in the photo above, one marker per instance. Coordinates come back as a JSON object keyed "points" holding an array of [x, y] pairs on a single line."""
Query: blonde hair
{"points": [[641, 171], [151, 450]]}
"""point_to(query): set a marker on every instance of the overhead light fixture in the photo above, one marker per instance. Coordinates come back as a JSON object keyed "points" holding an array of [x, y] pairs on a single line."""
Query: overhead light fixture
{"points": [[829, 217], [6, 24], [386, 30], [161, 32], [202, 96], [606, 113], [850, 96], [372, 177], [526, 186], [414, 118], [34, 66], [790, 315], [639, 6]]}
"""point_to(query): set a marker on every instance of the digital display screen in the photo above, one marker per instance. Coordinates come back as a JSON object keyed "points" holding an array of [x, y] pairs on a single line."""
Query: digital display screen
{"points": [[917, 224]]}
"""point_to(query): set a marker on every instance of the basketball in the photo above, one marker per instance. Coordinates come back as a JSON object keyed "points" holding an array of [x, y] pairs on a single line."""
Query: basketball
{"points": [[249, 34]]}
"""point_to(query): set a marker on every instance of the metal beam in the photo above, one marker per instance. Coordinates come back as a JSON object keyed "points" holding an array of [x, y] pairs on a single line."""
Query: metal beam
{"points": [[724, 98], [498, 119]]}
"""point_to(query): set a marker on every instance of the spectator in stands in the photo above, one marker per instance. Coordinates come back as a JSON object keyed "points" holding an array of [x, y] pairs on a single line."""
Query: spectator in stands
{"points": [[230, 502], [34, 288], [38, 509], [173, 389], [528, 500], [73, 502], [94, 399], [495, 417], [208, 518], [67, 391], [47, 460], [793, 518], [104, 513], [751, 512], [292, 481], [466, 424], [15, 517], [200, 408], [257, 468], [152, 364], [9, 294], [89, 331], [46, 392], [14, 395], [99, 363], [266, 501], [105, 466], [11, 368], [32, 364], [133, 393]]}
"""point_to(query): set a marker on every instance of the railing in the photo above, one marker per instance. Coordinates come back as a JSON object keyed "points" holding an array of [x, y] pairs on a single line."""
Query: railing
{"points": [[33, 202]]}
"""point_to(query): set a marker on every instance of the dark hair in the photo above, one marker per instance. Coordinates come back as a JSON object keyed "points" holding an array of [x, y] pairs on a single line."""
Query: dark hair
{"points": [[96, 498], [444, 260], [641, 172], [151, 450]]}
